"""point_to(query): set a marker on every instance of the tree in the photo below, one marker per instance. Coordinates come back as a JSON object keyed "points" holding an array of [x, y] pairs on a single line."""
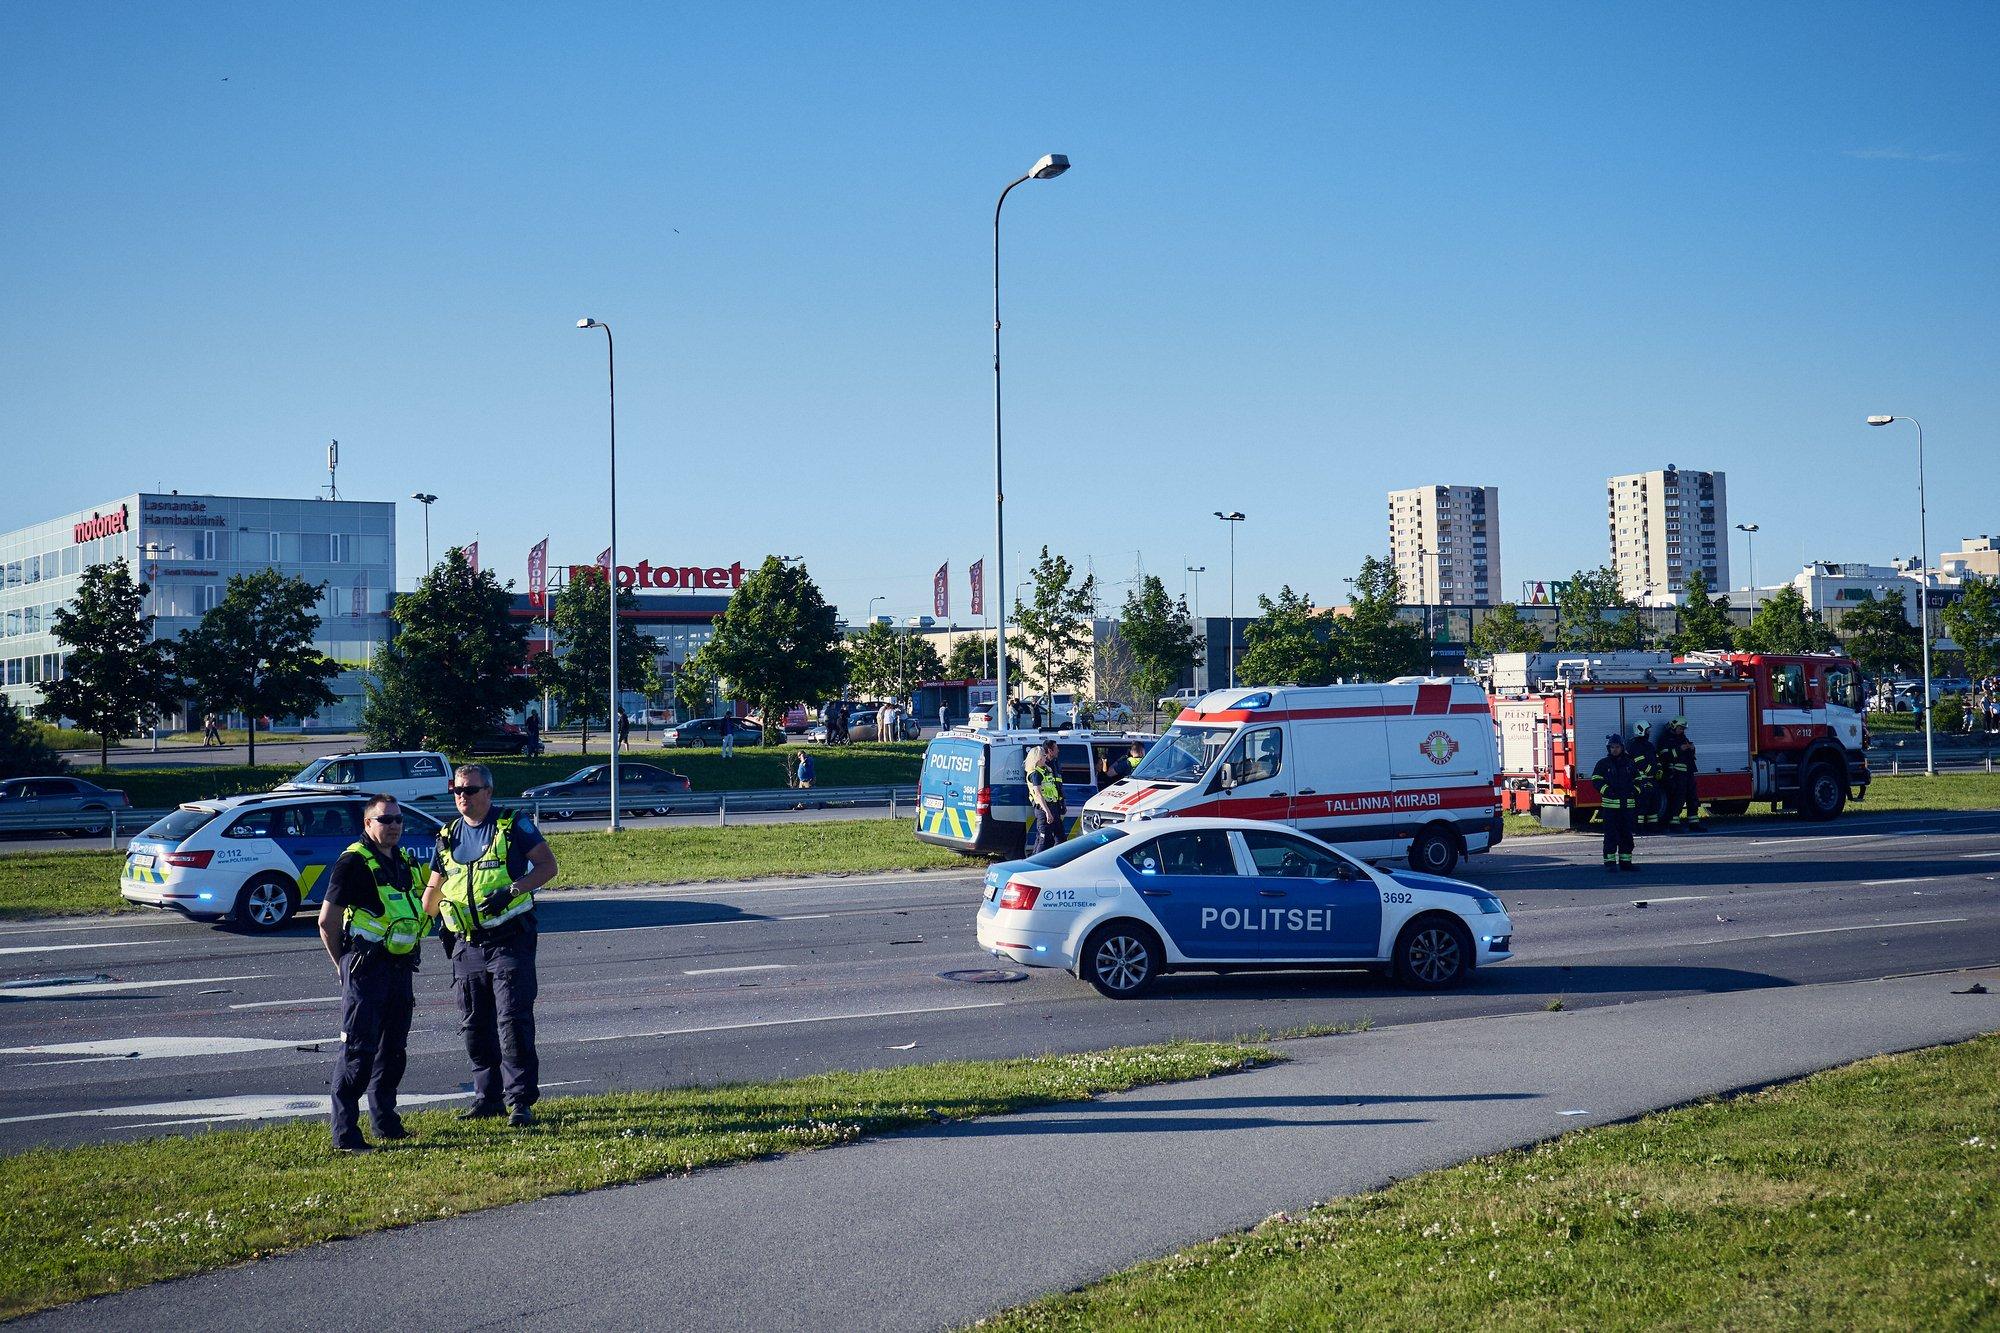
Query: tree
{"points": [[1784, 625], [1879, 637], [253, 653], [116, 676], [1055, 627], [23, 752], [1159, 634], [1594, 614], [777, 644], [694, 686], [1705, 625], [452, 671], [579, 671], [1286, 644], [888, 665], [1503, 630], [1372, 642], [1973, 622], [971, 658]]}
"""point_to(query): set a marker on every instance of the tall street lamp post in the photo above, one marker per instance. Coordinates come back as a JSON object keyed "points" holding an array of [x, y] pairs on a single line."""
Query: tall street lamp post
{"points": [[1232, 518], [1923, 581], [1197, 571], [426, 499], [1048, 168], [611, 570], [1749, 531]]}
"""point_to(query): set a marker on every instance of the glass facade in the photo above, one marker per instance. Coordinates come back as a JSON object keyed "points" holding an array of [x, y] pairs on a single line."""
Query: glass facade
{"points": [[185, 547]]}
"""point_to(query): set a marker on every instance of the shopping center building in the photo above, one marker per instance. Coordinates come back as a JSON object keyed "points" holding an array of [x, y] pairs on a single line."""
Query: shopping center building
{"points": [[185, 547]]}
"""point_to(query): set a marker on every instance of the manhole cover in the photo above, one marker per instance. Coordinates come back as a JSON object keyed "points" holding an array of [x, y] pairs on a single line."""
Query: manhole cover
{"points": [[985, 976]]}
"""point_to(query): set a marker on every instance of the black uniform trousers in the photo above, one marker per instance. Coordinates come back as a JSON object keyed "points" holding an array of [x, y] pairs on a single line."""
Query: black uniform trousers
{"points": [[1049, 828], [1617, 833], [377, 998], [1681, 806], [494, 984]]}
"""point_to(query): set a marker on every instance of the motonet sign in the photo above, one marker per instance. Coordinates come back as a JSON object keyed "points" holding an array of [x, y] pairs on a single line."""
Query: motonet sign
{"points": [[101, 525], [688, 578]]}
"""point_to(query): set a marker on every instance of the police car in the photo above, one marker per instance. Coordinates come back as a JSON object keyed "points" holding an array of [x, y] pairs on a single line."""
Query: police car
{"points": [[258, 859], [1121, 905]]}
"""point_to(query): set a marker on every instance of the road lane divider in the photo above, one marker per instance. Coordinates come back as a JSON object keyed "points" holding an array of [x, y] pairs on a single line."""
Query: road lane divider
{"points": [[786, 1022], [272, 1004], [744, 967], [18, 991]]}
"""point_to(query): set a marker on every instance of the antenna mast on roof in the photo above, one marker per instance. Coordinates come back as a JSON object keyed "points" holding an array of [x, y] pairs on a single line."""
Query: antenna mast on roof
{"points": [[333, 469]]}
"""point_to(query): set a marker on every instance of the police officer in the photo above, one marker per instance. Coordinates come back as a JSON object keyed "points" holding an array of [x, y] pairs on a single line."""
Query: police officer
{"points": [[1683, 808], [1617, 782], [1135, 755], [1646, 760], [489, 865], [1045, 793], [372, 921]]}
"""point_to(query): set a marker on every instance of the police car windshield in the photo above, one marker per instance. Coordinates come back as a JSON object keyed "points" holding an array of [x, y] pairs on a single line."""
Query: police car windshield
{"points": [[1064, 852], [1184, 754]]}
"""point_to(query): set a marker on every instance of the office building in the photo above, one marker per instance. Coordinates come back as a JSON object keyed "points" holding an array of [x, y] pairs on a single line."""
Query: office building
{"points": [[1665, 526], [1445, 544], [1976, 557]]}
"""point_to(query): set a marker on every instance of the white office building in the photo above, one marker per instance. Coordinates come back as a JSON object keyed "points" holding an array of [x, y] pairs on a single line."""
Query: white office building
{"points": [[1445, 544], [1665, 526]]}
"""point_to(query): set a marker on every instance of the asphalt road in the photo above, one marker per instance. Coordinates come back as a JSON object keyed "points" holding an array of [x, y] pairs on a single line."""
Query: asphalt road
{"points": [[137, 1025]]}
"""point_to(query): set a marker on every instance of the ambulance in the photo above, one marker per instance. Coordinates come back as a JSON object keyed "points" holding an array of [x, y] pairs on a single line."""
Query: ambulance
{"points": [[1404, 769]]}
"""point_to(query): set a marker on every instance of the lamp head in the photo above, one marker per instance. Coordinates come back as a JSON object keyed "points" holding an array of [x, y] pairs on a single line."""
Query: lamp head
{"points": [[422, 497], [1051, 166], [1233, 516], [1746, 527], [588, 324], [1880, 421]]}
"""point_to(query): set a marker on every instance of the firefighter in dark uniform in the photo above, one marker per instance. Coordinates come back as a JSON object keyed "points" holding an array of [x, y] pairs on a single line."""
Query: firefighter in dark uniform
{"points": [[483, 884], [1683, 808], [1617, 781], [1645, 758], [372, 921]]}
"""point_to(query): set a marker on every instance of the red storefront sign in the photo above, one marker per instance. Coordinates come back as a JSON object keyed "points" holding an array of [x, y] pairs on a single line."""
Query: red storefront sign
{"points": [[102, 525]]}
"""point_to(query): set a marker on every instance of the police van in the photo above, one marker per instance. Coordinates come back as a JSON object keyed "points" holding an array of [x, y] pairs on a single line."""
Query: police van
{"points": [[973, 792], [1400, 769]]}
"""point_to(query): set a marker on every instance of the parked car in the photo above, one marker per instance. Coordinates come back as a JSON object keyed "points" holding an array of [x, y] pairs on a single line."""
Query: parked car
{"points": [[795, 721], [85, 806], [256, 858], [710, 730], [861, 726], [1184, 698], [507, 738], [407, 775], [641, 788]]}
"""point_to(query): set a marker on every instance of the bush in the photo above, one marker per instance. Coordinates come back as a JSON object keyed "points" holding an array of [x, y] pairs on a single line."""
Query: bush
{"points": [[1948, 715]]}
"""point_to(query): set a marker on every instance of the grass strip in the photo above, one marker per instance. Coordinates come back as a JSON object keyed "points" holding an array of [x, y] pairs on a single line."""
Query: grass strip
{"points": [[36, 884], [1864, 1197], [78, 1222]]}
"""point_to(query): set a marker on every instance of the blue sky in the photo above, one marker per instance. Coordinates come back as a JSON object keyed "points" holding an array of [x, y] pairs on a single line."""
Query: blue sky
{"points": [[1307, 253]]}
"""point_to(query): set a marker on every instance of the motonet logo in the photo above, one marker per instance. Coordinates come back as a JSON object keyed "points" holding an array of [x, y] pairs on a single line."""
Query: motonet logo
{"points": [[101, 525], [1438, 747], [646, 574]]}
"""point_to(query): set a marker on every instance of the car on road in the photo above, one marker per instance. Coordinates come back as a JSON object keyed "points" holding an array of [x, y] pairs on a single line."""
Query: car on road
{"points": [[641, 788], [258, 859], [1120, 906], [407, 775], [507, 738], [710, 731], [60, 805]]}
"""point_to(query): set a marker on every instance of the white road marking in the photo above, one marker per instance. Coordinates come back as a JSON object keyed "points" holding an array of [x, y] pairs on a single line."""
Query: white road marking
{"points": [[105, 987], [272, 1004], [811, 916], [746, 967], [1912, 879], [784, 1022], [1977, 856], [167, 1048], [201, 1110], [1684, 898], [63, 948], [1885, 925], [89, 925]]}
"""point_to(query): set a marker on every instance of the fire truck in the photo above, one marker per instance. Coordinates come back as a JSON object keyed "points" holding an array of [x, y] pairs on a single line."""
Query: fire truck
{"points": [[1786, 729]]}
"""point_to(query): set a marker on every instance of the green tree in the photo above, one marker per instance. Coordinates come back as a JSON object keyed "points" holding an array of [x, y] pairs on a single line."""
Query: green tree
{"points": [[253, 653], [971, 658], [451, 671], [694, 686], [1503, 629], [1784, 625], [578, 672], [116, 677], [778, 644], [1287, 644], [1705, 625], [23, 752], [1054, 629], [1973, 622], [1371, 642], [1594, 614], [887, 665], [1160, 636], [1879, 637]]}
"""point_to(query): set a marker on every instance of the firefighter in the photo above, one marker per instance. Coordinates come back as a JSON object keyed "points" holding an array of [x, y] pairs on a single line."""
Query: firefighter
{"points": [[1617, 782], [1646, 761], [1683, 808]]}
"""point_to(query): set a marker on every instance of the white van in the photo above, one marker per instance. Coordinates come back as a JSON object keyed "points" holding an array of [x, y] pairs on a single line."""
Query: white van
{"points": [[407, 775], [1402, 769]]}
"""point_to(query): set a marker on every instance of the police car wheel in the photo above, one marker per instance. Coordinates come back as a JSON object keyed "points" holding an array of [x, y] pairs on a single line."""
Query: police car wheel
{"points": [[1122, 960], [1433, 852], [266, 903], [1433, 954]]}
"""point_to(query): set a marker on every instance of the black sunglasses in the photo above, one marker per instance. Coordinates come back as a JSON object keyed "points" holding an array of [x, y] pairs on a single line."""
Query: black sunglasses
{"points": [[387, 819], [467, 791]]}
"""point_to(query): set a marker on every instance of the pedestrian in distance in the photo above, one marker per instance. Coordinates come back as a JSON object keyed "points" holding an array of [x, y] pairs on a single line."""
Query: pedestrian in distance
{"points": [[1617, 781], [489, 864], [211, 731], [804, 772], [624, 729], [1045, 793], [532, 724], [941, 725], [372, 921]]}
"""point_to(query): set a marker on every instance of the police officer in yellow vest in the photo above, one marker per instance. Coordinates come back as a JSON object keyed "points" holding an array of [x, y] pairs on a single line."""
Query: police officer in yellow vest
{"points": [[1045, 797], [371, 921], [482, 887]]}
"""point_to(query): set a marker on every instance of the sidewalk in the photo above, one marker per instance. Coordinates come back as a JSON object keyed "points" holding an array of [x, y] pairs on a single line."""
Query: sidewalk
{"points": [[937, 1229]]}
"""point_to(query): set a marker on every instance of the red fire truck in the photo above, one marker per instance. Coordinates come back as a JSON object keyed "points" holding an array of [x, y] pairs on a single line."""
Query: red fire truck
{"points": [[1766, 727]]}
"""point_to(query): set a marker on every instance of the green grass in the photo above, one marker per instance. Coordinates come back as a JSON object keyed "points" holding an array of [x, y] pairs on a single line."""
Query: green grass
{"points": [[67, 738], [1865, 1197], [1881, 723], [78, 1222], [60, 884]]}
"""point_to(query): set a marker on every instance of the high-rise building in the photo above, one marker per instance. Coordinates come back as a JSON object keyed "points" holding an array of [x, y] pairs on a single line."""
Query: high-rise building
{"points": [[1445, 544], [1666, 525]]}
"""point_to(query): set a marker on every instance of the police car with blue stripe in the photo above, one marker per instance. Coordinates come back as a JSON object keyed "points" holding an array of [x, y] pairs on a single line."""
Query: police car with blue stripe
{"points": [[1125, 903], [972, 793]]}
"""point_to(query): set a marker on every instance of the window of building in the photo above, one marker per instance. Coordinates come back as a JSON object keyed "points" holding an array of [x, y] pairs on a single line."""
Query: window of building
{"points": [[206, 544], [340, 550], [208, 596]]}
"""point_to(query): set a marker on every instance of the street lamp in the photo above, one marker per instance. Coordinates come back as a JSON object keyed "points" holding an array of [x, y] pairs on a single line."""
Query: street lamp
{"points": [[1923, 581], [426, 500], [1049, 167], [1232, 518], [1197, 571], [871, 607], [153, 551], [1749, 531], [611, 568]]}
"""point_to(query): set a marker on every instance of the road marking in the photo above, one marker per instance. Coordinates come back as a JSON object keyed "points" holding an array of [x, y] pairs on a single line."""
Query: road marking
{"points": [[811, 916], [1886, 925], [270, 1004], [1977, 856], [144, 921], [104, 987], [161, 1048], [63, 948], [746, 967], [784, 1022], [1684, 898], [1913, 879]]}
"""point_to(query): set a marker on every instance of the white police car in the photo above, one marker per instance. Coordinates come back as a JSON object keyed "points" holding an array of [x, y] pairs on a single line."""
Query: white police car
{"points": [[1123, 904], [256, 858]]}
